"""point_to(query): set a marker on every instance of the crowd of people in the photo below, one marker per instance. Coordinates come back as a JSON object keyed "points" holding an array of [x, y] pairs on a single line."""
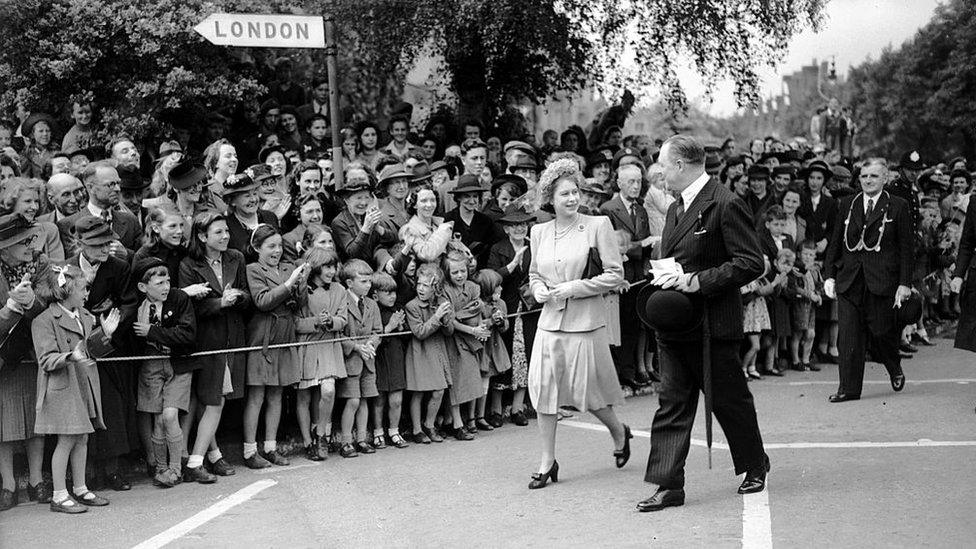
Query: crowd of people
{"points": [[405, 286]]}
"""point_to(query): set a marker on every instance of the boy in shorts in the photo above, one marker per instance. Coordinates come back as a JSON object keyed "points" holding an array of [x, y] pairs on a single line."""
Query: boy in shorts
{"points": [[163, 323], [360, 355]]}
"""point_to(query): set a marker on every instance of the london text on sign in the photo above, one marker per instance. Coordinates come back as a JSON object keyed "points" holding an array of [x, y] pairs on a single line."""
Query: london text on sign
{"points": [[263, 30]]}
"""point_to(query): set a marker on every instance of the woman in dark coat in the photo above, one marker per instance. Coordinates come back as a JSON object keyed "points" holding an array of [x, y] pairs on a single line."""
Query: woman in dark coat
{"points": [[18, 365], [243, 211], [220, 325]]}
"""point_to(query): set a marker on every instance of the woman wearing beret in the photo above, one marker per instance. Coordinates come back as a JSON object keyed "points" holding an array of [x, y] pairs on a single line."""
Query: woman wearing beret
{"points": [[571, 363], [18, 365]]}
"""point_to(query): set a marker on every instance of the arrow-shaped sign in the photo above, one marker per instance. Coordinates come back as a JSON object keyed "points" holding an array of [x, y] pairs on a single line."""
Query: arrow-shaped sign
{"points": [[263, 30]]}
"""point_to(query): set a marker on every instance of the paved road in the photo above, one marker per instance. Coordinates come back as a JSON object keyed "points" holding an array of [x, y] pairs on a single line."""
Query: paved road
{"points": [[836, 491]]}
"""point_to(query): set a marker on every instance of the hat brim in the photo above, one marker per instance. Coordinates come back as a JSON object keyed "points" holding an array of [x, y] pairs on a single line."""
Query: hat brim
{"points": [[595, 190], [186, 181], [345, 191], [99, 240], [231, 192], [466, 190], [23, 235], [391, 177], [648, 317], [805, 173]]}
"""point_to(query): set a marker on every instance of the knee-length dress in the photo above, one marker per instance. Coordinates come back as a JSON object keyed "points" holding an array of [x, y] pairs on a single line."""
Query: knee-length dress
{"points": [[571, 363], [273, 322], [468, 357], [755, 315], [322, 360], [427, 365], [498, 359], [391, 373]]}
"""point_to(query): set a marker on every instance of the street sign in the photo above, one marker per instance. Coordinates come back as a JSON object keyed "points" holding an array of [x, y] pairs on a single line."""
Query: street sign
{"points": [[263, 30]]}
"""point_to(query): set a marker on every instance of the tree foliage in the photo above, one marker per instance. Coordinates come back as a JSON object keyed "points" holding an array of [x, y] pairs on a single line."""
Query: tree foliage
{"points": [[921, 95]]}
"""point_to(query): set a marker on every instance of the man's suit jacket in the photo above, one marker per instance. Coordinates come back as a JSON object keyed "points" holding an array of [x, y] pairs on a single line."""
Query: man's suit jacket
{"points": [[884, 270], [820, 220], [123, 223], [620, 218], [716, 239]]}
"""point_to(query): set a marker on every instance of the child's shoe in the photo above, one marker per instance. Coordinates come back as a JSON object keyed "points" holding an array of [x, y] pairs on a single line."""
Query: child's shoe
{"points": [[316, 452], [398, 441], [221, 468], [276, 458], [484, 425], [348, 451], [434, 435], [421, 438], [379, 442], [462, 434], [812, 366], [199, 474], [167, 478], [257, 461], [364, 447], [68, 506]]}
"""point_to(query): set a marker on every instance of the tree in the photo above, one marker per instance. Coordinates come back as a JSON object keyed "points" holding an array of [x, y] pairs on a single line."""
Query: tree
{"points": [[138, 60], [922, 95]]}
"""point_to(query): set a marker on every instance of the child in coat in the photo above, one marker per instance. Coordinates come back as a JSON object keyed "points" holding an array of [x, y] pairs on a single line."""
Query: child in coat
{"points": [[162, 323], [323, 317], [359, 385], [807, 286], [779, 310], [493, 309], [68, 392], [428, 365], [468, 349], [277, 288], [391, 375]]}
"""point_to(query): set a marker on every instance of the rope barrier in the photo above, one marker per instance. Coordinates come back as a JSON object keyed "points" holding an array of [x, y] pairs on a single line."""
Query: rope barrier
{"points": [[295, 344]]}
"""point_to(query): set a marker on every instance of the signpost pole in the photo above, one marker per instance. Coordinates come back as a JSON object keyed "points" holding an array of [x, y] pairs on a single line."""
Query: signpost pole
{"points": [[331, 51]]}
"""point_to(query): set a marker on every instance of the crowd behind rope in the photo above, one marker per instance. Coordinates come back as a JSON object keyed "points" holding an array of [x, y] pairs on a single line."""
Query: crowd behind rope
{"points": [[408, 282]]}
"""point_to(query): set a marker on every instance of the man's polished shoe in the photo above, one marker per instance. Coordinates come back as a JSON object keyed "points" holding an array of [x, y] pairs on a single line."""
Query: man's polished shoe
{"points": [[661, 499], [755, 480], [118, 482], [898, 382], [843, 397], [907, 347]]}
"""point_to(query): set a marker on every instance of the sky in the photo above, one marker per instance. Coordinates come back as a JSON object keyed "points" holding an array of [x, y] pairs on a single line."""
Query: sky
{"points": [[853, 31]]}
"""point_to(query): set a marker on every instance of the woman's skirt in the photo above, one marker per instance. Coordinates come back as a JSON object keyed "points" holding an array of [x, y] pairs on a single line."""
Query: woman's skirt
{"points": [[572, 369], [18, 398]]}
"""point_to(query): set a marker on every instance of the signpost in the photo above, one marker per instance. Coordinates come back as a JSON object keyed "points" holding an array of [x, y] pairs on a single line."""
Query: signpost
{"points": [[254, 30]]}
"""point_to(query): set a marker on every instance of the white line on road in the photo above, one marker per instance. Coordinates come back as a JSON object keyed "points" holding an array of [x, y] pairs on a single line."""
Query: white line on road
{"points": [[757, 525], [961, 381], [208, 514], [921, 443]]}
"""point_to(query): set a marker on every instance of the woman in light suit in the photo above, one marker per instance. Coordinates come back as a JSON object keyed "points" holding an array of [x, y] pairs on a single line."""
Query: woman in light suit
{"points": [[571, 363]]}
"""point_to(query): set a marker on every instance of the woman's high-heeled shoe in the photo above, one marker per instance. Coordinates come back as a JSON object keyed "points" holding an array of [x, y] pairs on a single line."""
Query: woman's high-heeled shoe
{"points": [[623, 455], [539, 480]]}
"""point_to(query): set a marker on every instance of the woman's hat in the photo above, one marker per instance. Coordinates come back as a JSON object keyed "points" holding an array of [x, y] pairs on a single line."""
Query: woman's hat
{"points": [[421, 173], [186, 174], [758, 171], [438, 165], [27, 128], [669, 311], [523, 163], [93, 231], [516, 180], [601, 156], [391, 172], [266, 152], [167, 148], [259, 172], [515, 215], [14, 229], [91, 153], [347, 188], [468, 183], [239, 183], [817, 166], [595, 187]]}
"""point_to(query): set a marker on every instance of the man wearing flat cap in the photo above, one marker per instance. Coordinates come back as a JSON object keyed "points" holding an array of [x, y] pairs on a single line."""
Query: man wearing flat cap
{"points": [[104, 196], [709, 233], [108, 278]]}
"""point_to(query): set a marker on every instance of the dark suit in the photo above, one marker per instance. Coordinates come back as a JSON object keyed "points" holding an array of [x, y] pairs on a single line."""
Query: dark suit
{"points": [[966, 270], [715, 239], [625, 357], [123, 223], [866, 282], [108, 291], [820, 220]]}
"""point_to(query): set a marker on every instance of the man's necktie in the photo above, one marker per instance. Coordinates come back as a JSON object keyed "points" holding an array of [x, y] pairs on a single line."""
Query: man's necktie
{"points": [[680, 210], [105, 217], [153, 315], [633, 215], [870, 209]]}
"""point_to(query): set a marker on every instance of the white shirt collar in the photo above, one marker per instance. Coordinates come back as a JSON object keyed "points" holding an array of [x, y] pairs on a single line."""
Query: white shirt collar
{"points": [[96, 211], [86, 266], [865, 199], [691, 191]]}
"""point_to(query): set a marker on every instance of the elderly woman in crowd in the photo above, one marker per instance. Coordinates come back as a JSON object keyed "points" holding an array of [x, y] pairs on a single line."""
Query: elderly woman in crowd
{"points": [[243, 211], [357, 230], [19, 262]]}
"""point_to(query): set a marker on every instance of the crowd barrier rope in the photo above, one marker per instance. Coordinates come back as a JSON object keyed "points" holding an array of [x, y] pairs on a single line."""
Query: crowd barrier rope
{"points": [[295, 343]]}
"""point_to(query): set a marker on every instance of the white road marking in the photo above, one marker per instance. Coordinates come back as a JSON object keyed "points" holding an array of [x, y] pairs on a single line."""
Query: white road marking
{"points": [[757, 525], [208, 514], [961, 381], [285, 469], [920, 443]]}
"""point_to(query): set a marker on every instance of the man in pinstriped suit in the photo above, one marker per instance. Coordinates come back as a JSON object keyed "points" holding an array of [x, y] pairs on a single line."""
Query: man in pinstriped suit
{"points": [[709, 232]]}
